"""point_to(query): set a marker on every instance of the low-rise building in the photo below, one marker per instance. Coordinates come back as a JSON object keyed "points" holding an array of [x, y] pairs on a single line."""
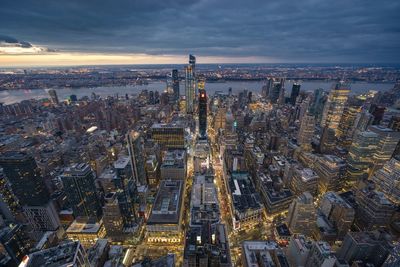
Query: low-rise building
{"points": [[164, 223]]}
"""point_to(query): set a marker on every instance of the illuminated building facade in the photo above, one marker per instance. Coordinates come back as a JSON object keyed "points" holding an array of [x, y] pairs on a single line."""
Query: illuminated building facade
{"points": [[190, 84], [360, 157], [306, 131], [169, 135], [202, 113], [387, 180], [334, 106], [331, 171]]}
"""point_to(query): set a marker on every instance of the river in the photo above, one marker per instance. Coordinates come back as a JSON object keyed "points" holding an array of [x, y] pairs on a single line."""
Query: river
{"points": [[13, 96]]}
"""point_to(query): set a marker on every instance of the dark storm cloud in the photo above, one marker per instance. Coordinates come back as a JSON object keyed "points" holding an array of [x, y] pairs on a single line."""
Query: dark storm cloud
{"points": [[307, 30]]}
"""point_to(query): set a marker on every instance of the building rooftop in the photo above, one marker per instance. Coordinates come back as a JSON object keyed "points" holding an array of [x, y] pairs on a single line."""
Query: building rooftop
{"points": [[121, 162], [61, 255], [167, 205], [85, 227], [244, 195], [174, 159]]}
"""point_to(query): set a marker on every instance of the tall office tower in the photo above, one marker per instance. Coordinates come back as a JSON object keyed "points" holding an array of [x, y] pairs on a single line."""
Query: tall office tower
{"points": [[360, 157], [10, 209], [347, 125], [331, 171], [387, 180], [328, 141], [29, 188], [202, 113], [334, 106], [25, 178], [372, 247], [190, 84], [340, 213], [374, 210], [377, 112], [112, 217], [302, 217], [175, 84], [80, 189], [306, 131], [136, 154], [363, 120], [276, 86], [53, 97], [295, 93], [388, 140], [126, 190], [15, 243], [168, 136], [318, 103], [321, 254]]}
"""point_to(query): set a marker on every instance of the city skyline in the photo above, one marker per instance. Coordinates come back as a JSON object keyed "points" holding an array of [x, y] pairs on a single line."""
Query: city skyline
{"points": [[86, 33]]}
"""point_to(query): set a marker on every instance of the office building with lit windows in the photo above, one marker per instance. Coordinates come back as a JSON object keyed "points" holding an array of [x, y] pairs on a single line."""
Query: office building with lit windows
{"points": [[202, 113], [387, 180], [171, 135], [334, 106], [190, 84], [80, 189]]}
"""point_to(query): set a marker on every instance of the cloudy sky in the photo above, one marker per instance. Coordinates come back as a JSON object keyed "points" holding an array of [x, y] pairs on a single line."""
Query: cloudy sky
{"points": [[51, 32]]}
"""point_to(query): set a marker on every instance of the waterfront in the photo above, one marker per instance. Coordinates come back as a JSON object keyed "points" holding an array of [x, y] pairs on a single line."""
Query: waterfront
{"points": [[13, 96]]}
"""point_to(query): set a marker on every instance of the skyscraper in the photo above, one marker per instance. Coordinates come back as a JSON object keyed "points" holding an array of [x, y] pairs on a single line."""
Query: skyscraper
{"points": [[25, 178], [190, 84], [334, 106], [360, 158], [387, 180], [275, 88], [28, 186], [175, 83], [301, 215], [136, 154], [80, 189], [202, 113], [53, 97], [295, 93], [306, 131]]}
